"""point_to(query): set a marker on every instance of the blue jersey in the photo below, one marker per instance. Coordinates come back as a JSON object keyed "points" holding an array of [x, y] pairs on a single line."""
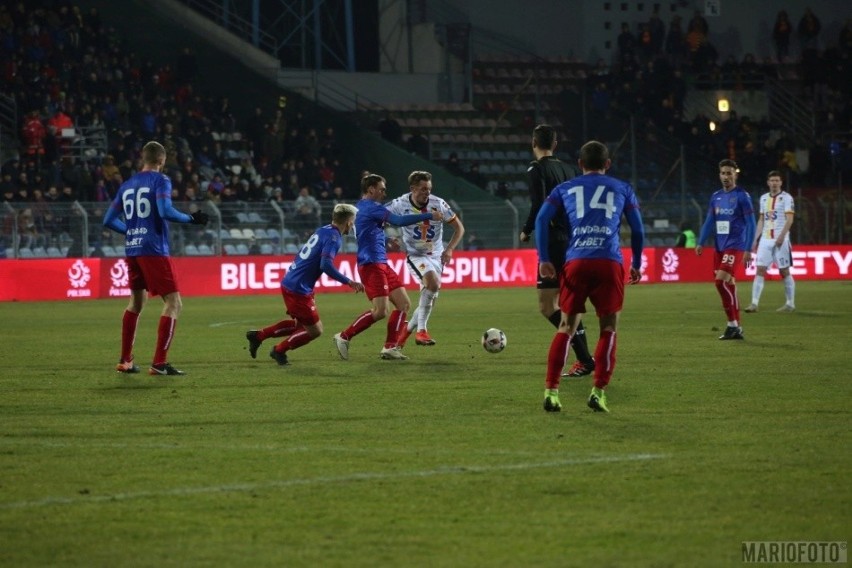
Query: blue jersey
{"points": [[370, 232], [593, 205], [145, 203], [314, 258], [731, 218]]}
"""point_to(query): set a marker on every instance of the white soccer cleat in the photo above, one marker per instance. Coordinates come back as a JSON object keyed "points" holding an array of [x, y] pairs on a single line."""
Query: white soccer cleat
{"points": [[752, 309], [392, 353], [786, 308], [342, 347]]}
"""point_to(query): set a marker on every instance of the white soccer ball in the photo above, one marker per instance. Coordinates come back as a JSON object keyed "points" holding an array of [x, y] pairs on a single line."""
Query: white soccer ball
{"points": [[494, 340]]}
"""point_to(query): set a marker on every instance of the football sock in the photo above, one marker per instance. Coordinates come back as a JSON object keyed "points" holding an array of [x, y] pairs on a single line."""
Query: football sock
{"points": [[281, 329], [128, 334], [734, 308], [165, 332], [395, 323], [580, 344], [604, 359], [756, 289], [555, 318], [412, 322], [361, 323], [427, 302], [556, 357], [790, 290], [295, 341]]}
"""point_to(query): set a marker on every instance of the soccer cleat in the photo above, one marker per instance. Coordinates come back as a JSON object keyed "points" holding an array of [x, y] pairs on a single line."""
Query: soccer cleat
{"points": [[786, 309], [280, 358], [392, 353], [164, 369], [732, 332], [126, 367], [580, 369], [597, 400], [342, 347], [422, 338], [551, 400], [752, 309], [254, 342], [403, 336]]}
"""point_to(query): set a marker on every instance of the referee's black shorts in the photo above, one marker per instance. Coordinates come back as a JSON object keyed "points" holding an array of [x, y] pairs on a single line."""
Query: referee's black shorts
{"points": [[557, 257]]}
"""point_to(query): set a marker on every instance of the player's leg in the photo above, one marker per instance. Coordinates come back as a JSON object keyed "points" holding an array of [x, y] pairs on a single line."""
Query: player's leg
{"points": [[375, 287], [431, 285], [396, 321], [757, 289], [548, 306], [129, 321], [308, 325], [726, 262], [784, 260], [608, 299], [160, 275]]}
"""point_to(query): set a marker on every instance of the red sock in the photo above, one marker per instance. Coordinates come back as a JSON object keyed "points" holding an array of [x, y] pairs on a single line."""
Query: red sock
{"points": [[734, 308], [128, 335], [281, 329], [395, 323], [729, 299], [604, 359], [295, 341], [165, 332], [556, 359], [361, 323]]}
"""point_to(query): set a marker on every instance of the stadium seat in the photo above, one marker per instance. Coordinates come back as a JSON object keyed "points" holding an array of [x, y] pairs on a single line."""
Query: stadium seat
{"points": [[291, 248], [230, 249], [248, 233], [260, 234], [266, 248], [243, 217], [52, 252], [190, 250], [205, 250], [242, 248], [39, 252], [235, 233], [108, 250], [25, 253], [254, 217]]}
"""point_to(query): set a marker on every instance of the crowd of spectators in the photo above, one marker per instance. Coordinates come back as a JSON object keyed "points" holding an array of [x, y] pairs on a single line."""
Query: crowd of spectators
{"points": [[67, 73]]}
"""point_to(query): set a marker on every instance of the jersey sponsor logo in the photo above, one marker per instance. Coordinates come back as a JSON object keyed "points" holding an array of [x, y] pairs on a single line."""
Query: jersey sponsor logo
{"points": [[724, 210]]}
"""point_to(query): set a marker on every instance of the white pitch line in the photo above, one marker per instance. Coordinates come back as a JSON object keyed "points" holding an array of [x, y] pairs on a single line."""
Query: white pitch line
{"points": [[353, 477]]}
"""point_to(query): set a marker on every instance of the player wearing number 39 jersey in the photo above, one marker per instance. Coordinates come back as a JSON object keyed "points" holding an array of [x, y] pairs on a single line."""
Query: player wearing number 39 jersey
{"points": [[140, 210], [730, 218], [592, 205], [314, 258]]}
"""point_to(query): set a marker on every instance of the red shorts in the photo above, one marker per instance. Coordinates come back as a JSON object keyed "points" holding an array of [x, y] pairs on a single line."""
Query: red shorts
{"points": [[597, 279], [378, 279], [153, 273], [302, 308], [727, 261]]}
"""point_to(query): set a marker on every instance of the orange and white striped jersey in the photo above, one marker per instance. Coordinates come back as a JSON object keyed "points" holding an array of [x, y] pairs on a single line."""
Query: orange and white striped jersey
{"points": [[774, 209]]}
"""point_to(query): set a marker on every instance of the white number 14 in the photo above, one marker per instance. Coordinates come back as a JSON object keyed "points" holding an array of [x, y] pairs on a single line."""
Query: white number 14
{"points": [[595, 203]]}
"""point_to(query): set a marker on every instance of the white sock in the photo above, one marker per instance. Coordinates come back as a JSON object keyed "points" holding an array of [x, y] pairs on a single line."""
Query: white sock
{"points": [[756, 289], [412, 321], [733, 323], [790, 290], [427, 301]]}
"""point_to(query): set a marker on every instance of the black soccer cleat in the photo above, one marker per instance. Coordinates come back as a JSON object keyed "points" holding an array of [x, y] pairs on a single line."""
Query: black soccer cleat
{"points": [[164, 369], [254, 342], [732, 332], [280, 358]]}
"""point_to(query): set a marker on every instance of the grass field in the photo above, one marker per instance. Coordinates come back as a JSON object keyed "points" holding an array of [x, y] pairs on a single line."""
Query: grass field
{"points": [[444, 460]]}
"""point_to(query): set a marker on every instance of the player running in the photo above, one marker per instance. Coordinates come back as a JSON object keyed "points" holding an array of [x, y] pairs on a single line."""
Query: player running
{"points": [[424, 247], [297, 287]]}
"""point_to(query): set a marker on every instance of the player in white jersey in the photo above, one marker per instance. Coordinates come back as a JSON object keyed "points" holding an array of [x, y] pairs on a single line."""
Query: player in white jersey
{"points": [[772, 242], [426, 254]]}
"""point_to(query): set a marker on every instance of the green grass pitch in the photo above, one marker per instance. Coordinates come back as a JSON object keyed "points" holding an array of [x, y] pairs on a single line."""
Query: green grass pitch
{"points": [[444, 460]]}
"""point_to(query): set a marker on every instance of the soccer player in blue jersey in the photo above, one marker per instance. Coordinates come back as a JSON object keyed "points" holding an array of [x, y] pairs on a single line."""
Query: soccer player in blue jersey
{"points": [[315, 258], [730, 218], [381, 283], [139, 211], [592, 204]]}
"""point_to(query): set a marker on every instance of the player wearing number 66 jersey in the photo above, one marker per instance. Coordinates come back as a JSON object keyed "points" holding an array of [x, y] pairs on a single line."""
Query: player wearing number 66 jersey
{"points": [[314, 258], [140, 210], [730, 218], [593, 205]]}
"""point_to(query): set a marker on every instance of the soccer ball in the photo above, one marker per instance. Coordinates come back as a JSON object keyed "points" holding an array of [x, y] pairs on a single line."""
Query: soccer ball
{"points": [[494, 340]]}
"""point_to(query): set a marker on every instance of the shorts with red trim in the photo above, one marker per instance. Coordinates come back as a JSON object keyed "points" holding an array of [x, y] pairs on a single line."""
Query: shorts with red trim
{"points": [[599, 280], [301, 307], [727, 261], [153, 273], [379, 279]]}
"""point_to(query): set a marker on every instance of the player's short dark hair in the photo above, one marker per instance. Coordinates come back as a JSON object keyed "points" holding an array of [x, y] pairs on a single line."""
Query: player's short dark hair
{"points": [[369, 181], [729, 164], [544, 137], [594, 155], [774, 173], [416, 177], [152, 152]]}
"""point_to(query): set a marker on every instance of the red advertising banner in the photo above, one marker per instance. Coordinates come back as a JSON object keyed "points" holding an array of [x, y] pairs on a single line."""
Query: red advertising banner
{"points": [[74, 278]]}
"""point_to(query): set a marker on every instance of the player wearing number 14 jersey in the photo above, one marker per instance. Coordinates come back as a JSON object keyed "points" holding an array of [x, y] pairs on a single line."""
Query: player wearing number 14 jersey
{"points": [[140, 210], [730, 218], [314, 258]]}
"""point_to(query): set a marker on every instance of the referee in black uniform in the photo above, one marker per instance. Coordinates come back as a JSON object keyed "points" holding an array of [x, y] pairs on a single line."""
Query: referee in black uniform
{"points": [[546, 172]]}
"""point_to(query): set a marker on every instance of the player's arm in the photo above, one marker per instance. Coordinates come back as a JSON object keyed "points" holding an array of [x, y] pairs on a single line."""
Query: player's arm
{"points": [[403, 220], [536, 192], [706, 230], [458, 233], [757, 232], [637, 242], [542, 235], [112, 217], [327, 265]]}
